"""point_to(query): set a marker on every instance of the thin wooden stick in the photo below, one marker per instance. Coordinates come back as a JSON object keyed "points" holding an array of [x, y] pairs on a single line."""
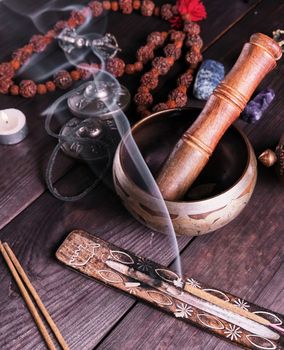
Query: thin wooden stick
{"points": [[36, 297], [28, 300], [225, 305], [246, 317]]}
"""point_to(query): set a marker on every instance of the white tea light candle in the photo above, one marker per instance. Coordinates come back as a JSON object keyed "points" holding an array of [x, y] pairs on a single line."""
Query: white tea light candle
{"points": [[13, 127]]}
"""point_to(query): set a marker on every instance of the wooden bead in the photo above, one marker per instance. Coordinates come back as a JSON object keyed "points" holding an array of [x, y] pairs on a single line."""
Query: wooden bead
{"points": [[71, 23], [50, 86], [182, 88], [136, 4], [75, 75], [51, 34], [165, 34], [138, 66], [155, 71], [28, 48], [170, 60], [179, 44], [41, 89], [171, 104], [14, 90], [15, 64], [106, 5], [114, 6], [130, 69]]}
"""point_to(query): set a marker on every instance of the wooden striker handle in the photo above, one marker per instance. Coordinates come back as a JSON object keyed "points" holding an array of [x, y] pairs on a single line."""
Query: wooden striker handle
{"points": [[224, 106]]}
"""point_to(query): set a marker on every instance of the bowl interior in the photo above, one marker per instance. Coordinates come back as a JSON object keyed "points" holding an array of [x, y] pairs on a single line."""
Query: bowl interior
{"points": [[156, 137]]}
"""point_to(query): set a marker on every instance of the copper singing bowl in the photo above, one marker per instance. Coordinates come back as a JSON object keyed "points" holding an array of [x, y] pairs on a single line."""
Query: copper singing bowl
{"points": [[218, 195]]}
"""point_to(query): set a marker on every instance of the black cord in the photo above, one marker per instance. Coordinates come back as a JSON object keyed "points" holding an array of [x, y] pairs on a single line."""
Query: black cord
{"points": [[54, 191]]}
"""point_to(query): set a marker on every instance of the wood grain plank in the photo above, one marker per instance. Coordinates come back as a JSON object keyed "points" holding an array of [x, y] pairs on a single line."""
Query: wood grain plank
{"points": [[245, 257], [83, 310], [23, 179]]}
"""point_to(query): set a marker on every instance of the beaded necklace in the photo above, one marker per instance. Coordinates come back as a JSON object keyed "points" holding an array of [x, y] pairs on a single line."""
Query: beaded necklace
{"points": [[182, 15]]}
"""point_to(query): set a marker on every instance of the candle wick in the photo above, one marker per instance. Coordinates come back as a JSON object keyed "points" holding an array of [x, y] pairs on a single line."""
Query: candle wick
{"points": [[4, 117]]}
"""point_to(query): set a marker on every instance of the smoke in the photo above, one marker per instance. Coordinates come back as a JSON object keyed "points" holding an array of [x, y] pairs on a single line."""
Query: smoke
{"points": [[40, 14], [41, 66], [59, 107], [124, 130]]}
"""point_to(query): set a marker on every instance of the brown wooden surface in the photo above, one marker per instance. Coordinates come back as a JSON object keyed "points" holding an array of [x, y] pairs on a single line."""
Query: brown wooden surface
{"points": [[245, 257]]}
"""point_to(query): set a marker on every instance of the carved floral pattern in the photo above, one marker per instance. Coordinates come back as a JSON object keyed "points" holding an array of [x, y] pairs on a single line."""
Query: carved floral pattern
{"points": [[183, 311], [233, 332]]}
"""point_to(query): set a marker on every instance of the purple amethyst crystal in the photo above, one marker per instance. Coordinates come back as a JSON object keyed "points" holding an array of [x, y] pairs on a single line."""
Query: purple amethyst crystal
{"points": [[257, 106]]}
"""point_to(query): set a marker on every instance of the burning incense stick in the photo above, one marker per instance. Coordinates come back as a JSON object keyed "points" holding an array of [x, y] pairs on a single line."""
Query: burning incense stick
{"points": [[204, 302]]}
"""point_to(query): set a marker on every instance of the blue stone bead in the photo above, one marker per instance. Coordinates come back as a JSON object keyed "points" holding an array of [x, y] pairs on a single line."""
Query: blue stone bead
{"points": [[257, 106], [209, 75]]}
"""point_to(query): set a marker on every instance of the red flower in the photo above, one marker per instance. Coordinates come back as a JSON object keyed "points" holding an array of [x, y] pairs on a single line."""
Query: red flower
{"points": [[194, 9]]}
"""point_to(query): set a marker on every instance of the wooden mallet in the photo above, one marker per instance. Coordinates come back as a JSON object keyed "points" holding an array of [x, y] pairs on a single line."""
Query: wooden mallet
{"points": [[224, 106]]}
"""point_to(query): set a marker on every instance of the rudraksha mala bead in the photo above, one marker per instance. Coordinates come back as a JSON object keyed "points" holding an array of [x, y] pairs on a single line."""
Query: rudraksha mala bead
{"points": [[191, 28], [176, 35], [161, 64], [84, 70], [150, 80], [174, 14], [185, 79], [59, 26], [194, 40], [115, 66], [160, 107], [193, 56], [6, 70], [179, 96], [23, 54], [5, 85], [147, 8], [126, 6], [62, 80], [143, 97], [166, 12], [96, 7], [39, 43], [157, 38], [27, 88], [171, 50], [79, 17], [145, 53]]}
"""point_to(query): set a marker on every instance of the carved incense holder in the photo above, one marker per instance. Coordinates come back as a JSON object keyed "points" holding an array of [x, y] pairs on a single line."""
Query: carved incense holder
{"points": [[197, 144], [215, 311]]}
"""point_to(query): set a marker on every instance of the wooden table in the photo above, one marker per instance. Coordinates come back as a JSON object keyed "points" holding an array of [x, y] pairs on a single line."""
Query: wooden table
{"points": [[245, 257]]}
